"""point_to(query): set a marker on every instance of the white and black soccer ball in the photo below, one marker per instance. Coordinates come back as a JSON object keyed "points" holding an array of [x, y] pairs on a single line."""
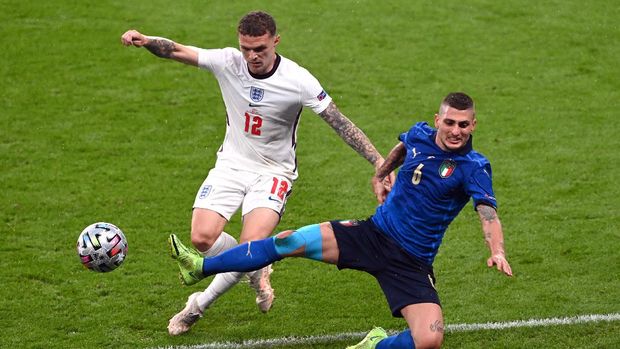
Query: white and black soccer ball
{"points": [[102, 247]]}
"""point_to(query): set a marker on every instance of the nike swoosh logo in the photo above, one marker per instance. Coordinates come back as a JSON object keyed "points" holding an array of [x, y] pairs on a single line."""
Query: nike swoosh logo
{"points": [[272, 199]]}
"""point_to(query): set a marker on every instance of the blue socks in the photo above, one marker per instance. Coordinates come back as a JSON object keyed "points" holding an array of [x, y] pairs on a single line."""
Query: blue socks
{"points": [[246, 257], [401, 340]]}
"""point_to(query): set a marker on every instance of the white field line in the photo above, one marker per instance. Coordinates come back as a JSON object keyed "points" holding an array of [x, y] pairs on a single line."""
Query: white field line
{"points": [[291, 341]]}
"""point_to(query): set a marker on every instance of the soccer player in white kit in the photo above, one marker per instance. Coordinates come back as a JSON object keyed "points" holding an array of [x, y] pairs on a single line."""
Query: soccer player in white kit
{"points": [[264, 94]]}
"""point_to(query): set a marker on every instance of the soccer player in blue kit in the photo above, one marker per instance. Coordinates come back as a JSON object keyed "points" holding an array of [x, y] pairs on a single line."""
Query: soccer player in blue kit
{"points": [[439, 173]]}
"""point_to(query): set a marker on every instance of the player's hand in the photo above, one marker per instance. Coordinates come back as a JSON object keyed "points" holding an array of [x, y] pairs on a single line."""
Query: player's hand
{"points": [[388, 181], [134, 38], [379, 189], [500, 261]]}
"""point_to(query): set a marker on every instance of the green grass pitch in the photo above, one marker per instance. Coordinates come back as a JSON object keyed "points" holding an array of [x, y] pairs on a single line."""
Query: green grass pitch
{"points": [[92, 131]]}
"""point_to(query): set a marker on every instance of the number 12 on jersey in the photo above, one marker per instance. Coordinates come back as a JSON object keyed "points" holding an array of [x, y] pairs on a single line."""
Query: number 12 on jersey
{"points": [[253, 123]]}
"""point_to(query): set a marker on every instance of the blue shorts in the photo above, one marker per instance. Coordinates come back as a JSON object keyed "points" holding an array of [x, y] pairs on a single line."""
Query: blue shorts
{"points": [[403, 278]]}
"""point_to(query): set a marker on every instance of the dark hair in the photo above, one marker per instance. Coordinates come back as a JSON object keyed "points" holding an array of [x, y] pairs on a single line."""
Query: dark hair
{"points": [[458, 100], [257, 23]]}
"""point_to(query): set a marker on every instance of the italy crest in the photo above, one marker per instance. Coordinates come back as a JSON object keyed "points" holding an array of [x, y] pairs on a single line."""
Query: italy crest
{"points": [[447, 168]]}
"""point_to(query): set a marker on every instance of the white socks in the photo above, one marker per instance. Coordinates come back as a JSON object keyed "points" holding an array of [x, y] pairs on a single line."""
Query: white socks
{"points": [[223, 243], [222, 282]]}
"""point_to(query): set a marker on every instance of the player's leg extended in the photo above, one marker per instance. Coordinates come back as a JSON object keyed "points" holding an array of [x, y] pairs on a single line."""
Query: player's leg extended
{"points": [[314, 241]]}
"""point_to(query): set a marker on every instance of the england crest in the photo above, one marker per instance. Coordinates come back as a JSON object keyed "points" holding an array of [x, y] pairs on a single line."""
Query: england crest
{"points": [[256, 94], [205, 191]]}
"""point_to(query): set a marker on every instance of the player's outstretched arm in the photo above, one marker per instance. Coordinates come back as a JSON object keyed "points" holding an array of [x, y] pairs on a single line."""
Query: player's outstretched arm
{"points": [[161, 47], [394, 159], [494, 238], [351, 134]]}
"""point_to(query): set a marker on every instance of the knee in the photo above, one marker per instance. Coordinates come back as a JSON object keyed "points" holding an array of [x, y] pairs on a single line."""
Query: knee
{"points": [[202, 239], [289, 243], [431, 340]]}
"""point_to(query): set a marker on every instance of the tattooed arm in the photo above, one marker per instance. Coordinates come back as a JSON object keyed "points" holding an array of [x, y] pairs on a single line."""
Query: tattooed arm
{"points": [[394, 159], [355, 138], [494, 238], [351, 134], [161, 47]]}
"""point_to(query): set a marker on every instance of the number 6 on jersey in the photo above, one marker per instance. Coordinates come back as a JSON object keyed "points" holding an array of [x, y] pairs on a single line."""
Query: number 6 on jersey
{"points": [[417, 175]]}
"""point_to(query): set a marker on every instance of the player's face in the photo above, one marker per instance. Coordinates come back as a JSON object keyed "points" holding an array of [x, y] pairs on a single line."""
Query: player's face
{"points": [[259, 51], [454, 127]]}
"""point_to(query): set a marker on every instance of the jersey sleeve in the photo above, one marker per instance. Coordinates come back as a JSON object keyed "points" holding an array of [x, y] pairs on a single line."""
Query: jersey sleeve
{"points": [[480, 187], [313, 95], [403, 138], [214, 60], [418, 130]]}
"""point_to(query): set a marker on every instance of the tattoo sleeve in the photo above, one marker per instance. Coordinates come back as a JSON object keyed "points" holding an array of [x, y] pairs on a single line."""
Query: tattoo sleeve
{"points": [[487, 213], [491, 228], [394, 159], [350, 133], [160, 47]]}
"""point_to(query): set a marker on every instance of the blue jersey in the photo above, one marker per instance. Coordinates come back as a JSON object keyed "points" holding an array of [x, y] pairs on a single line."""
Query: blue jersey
{"points": [[431, 188]]}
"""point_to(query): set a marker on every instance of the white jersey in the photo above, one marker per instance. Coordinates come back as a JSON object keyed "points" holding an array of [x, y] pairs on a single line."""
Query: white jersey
{"points": [[262, 112]]}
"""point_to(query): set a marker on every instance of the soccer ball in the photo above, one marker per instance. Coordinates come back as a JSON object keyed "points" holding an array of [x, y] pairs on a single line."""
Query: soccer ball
{"points": [[102, 247]]}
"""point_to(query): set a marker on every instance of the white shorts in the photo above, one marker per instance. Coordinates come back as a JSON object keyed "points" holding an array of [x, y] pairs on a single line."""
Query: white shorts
{"points": [[225, 190]]}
